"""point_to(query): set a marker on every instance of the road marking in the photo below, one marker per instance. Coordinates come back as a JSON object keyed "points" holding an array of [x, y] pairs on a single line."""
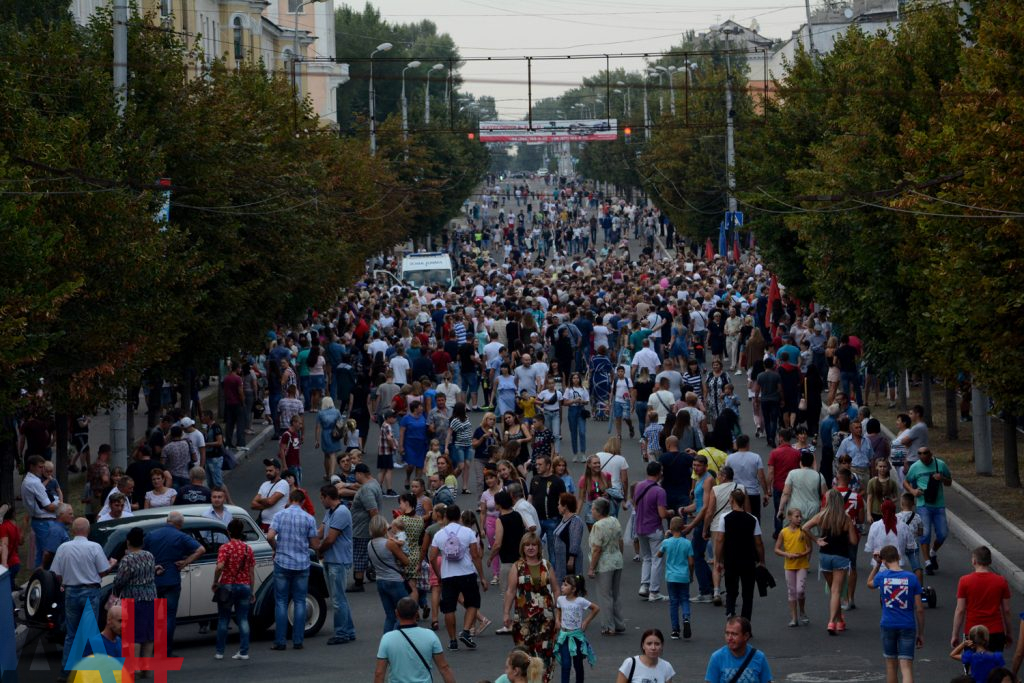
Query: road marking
{"points": [[835, 676]]}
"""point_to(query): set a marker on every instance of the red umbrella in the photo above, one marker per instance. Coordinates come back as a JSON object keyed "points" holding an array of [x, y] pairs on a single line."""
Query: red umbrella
{"points": [[709, 251]]}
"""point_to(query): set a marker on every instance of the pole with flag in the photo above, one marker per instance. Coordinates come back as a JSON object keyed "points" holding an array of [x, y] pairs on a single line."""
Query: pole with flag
{"points": [[709, 251], [736, 249]]}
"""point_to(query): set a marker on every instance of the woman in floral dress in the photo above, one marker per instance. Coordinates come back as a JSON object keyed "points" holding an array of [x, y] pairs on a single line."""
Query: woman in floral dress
{"points": [[530, 602]]}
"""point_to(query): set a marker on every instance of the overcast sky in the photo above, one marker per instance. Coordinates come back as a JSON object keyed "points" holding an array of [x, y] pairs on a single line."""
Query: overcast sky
{"points": [[485, 28]]}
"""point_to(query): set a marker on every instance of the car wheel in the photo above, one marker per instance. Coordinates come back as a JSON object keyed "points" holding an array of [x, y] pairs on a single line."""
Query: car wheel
{"points": [[316, 614], [42, 596]]}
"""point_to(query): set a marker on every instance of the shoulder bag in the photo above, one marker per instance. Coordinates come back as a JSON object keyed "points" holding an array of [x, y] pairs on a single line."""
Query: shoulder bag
{"points": [[415, 649], [743, 667]]}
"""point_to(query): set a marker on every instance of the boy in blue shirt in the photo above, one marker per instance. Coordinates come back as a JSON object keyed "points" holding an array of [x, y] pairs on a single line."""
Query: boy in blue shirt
{"points": [[902, 613], [678, 554]]}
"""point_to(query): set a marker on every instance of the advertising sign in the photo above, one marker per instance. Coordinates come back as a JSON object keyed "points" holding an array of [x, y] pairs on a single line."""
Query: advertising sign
{"points": [[566, 130]]}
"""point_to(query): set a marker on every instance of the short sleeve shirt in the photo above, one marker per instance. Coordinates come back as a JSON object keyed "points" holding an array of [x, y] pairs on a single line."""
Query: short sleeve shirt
{"points": [[573, 612], [722, 666], [606, 534], [659, 673], [918, 476], [898, 590], [647, 498], [984, 593], [238, 560], [678, 552], [403, 663]]}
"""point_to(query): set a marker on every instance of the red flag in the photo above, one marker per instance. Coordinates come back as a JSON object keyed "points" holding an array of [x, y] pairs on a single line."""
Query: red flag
{"points": [[773, 296], [736, 249], [709, 251]]}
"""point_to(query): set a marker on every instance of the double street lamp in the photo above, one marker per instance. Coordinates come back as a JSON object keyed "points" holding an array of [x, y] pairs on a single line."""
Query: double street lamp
{"points": [[405, 103], [670, 70], [426, 104], [383, 47]]}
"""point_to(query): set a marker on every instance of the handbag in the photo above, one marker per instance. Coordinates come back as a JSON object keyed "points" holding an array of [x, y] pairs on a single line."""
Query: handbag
{"points": [[803, 399], [222, 595]]}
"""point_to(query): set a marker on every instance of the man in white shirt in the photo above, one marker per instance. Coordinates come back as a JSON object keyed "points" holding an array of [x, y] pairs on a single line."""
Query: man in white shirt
{"points": [[196, 437], [675, 379], [662, 400], [748, 472], [493, 347], [272, 496], [645, 358], [461, 572], [42, 512], [400, 366], [531, 520]]}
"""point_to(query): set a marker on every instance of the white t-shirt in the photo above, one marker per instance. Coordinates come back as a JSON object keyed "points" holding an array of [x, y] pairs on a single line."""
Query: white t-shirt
{"points": [[878, 538], [492, 350], [267, 489], [662, 671], [601, 336], [573, 612], [461, 567], [400, 366], [745, 465], [622, 389], [613, 465], [551, 401], [528, 513]]}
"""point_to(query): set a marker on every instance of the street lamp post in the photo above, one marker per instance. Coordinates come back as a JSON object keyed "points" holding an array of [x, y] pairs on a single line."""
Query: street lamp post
{"points": [[661, 101], [426, 103], [730, 115], [670, 71], [627, 104], [383, 47], [623, 101], [405, 103], [647, 118], [295, 44]]}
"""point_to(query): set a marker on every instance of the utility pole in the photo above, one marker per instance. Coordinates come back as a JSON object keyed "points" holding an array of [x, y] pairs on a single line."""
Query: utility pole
{"points": [[730, 147], [810, 32], [119, 408]]}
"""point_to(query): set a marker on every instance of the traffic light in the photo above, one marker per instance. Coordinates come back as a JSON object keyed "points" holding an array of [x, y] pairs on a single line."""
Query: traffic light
{"points": [[627, 133], [471, 136]]}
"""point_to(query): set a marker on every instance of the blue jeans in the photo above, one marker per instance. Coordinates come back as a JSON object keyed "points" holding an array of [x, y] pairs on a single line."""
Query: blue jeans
{"points": [[700, 563], [390, 593], [640, 407], [553, 420], [678, 596], [577, 429], [934, 522], [568, 663], [215, 471], [290, 584], [547, 529], [337, 578], [241, 599], [76, 598], [41, 529], [846, 379], [173, 595], [274, 399], [470, 385]]}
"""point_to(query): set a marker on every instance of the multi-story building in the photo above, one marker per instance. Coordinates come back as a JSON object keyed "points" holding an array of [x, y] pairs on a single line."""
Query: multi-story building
{"points": [[292, 38]]}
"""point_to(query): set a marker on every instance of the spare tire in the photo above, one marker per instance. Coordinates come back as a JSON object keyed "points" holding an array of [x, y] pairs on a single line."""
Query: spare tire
{"points": [[42, 597]]}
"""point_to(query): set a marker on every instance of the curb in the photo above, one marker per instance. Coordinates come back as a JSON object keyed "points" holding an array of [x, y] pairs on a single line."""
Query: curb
{"points": [[972, 539], [253, 444]]}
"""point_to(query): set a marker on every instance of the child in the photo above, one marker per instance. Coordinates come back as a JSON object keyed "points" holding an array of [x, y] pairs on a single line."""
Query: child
{"points": [[974, 654], [561, 470], [731, 402], [430, 464], [396, 532], [902, 611], [573, 612], [650, 448], [527, 407], [51, 485], [678, 554], [908, 515], [794, 544]]}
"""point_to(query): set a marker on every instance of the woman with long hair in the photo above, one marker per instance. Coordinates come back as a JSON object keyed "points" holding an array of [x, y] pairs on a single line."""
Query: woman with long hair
{"points": [[489, 513], [837, 534], [833, 368], [593, 484], [714, 390], [683, 430], [649, 666], [521, 667], [577, 400]]}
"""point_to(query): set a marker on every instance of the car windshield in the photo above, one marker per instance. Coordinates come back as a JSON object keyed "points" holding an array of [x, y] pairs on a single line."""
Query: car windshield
{"points": [[435, 276]]}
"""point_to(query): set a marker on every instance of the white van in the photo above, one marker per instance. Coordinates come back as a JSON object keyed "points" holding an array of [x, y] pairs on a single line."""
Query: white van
{"points": [[432, 269]]}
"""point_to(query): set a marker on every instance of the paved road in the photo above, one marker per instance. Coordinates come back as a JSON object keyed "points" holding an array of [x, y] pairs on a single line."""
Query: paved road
{"points": [[806, 654]]}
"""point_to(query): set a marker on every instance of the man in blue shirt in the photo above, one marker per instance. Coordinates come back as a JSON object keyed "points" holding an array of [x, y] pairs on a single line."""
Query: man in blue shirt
{"points": [[336, 552], [173, 550], [737, 654], [408, 651], [292, 533], [902, 612]]}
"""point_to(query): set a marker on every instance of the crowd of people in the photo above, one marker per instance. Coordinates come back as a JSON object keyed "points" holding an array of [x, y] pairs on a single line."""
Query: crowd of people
{"points": [[555, 319]]}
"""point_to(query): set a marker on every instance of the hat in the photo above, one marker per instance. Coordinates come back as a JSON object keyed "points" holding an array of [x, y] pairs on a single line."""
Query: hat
{"points": [[187, 422], [272, 462], [362, 467]]}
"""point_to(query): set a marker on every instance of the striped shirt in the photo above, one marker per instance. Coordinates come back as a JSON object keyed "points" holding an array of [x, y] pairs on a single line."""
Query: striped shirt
{"points": [[459, 330]]}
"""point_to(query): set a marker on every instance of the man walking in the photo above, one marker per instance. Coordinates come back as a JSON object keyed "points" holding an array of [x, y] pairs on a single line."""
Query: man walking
{"points": [[983, 598], [927, 479], [781, 461], [902, 621], [649, 502], [292, 533], [461, 572], [737, 661], [767, 390], [544, 492], [336, 553], [739, 551], [79, 564], [748, 472], [405, 653], [366, 505]]}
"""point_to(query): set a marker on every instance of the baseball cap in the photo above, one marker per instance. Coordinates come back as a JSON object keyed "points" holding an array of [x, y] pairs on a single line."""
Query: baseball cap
{"points": [[362, 467], [187, 422], [272, 462]]}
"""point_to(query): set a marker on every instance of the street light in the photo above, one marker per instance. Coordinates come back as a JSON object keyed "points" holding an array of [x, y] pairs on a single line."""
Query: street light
{"points": [[661, 101], [295, 43], [426, 104], [619, 90], [628, 104], [730, 147], [405, 103], [647, 116], [383, 47], [671, 87]]}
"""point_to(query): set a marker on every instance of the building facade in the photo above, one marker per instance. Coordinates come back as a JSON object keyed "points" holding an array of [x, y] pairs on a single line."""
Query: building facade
{"points": [[271, 31]]}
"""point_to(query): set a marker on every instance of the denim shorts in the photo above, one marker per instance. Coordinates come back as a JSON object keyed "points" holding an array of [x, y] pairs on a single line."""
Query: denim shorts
{"points": [[833, 563], [461, 454], [913, 559], [898, 643], [621, 410]]}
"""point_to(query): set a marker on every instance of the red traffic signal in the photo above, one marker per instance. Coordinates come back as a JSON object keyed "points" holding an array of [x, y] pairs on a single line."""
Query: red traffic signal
{"points": [[471, 136]]}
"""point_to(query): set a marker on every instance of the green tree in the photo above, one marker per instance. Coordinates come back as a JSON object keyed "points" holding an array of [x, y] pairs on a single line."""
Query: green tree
{"points": [[25, 13]]}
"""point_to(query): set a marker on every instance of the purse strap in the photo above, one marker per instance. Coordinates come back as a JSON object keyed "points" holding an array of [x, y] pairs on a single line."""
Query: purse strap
{"points": [[743, 667], [415, 649]]}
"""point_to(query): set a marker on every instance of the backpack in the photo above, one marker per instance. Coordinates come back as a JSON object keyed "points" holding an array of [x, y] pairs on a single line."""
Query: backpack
{"points": [[452, 547], [339, 430]]}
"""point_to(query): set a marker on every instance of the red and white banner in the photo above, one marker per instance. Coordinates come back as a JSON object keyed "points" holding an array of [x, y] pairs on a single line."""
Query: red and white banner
{"points": [[567, 130]]}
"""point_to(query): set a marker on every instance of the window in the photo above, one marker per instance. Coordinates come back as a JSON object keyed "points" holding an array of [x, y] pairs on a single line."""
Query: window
{"points": [[239, 45], [184, 16], [165, 8], [295, 6]]}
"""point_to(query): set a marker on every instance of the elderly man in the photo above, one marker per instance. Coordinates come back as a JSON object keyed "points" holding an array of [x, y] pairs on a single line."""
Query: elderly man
{"points": [[173, 550], [79, 564], [41, 511], [58, 533]]}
